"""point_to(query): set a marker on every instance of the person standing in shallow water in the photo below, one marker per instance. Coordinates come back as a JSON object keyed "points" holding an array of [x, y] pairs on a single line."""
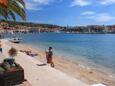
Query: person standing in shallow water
{"points": [[0, 47], [1, 59], [49, 57]]}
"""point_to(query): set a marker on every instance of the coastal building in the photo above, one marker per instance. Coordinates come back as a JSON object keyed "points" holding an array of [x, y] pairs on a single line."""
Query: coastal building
{"points": [[111, 29], [31, 27]]}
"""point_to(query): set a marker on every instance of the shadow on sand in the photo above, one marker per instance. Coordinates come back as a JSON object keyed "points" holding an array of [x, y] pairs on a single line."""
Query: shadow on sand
{"points": [[41, 64]]}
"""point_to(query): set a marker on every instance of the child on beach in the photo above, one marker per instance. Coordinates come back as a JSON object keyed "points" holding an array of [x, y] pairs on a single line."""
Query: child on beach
{"points": [[49, 55]]}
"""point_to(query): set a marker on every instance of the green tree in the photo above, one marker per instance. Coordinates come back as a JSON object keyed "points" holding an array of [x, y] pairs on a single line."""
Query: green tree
{"points": [[9, 9]]}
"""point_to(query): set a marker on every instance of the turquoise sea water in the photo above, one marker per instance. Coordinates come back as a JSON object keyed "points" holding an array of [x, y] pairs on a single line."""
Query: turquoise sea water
{"points": [[96, 49]]}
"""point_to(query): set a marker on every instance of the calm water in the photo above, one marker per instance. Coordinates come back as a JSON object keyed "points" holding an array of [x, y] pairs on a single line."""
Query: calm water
{"points": [[98, 49]]}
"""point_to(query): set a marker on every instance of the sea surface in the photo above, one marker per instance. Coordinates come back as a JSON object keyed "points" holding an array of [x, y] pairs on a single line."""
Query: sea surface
{"points": [[97, 50]]}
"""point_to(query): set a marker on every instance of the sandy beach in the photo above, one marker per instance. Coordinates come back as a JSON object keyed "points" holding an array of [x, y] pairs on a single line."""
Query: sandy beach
{"points": [[67, 70], [38, 75], [57, 43]]}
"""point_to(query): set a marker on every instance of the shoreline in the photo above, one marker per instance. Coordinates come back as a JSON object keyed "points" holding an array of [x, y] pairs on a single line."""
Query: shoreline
{"points": [[37, 75], [81, 61], [86, 74]]}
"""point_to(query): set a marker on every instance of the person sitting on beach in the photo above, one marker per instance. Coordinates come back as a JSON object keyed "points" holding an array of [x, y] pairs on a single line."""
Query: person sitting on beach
{"points": [[49, 56]]}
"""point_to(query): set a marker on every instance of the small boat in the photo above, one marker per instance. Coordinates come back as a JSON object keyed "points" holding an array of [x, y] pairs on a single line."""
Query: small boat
{"points": [[15, 40], [57, 31]]}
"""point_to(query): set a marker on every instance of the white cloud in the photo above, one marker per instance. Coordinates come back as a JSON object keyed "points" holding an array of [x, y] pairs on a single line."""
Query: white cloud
{"points": [[101, 17], [31, 6], [88, 13], [91, 2], [106, 2], [36, 4], [43, 2], [80, 3]]}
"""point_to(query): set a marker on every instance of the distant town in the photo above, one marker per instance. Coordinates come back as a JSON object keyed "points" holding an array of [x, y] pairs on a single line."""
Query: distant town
{"points": [[25, 27], [91, 29]]}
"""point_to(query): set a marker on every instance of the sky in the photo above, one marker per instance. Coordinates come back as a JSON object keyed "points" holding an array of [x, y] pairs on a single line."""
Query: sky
{"points": [[71, 12]]}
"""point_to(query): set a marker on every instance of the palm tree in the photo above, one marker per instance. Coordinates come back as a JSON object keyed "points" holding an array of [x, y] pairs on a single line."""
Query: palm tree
{"points": [[3, 2], [10, 8]]}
